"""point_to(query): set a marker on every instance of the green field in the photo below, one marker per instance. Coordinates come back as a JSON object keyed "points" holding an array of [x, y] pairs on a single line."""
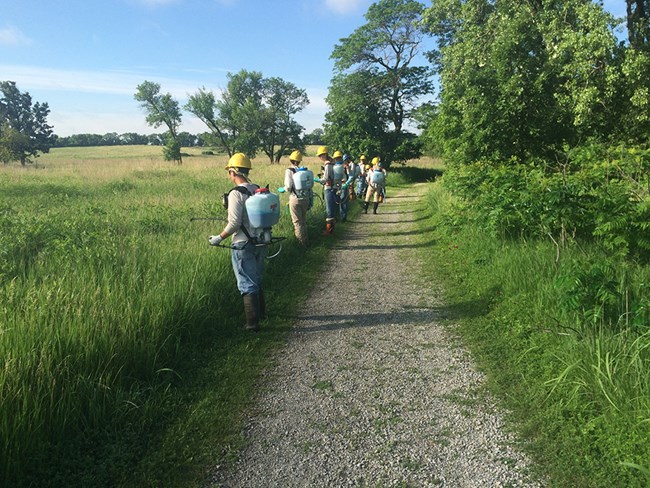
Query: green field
{"points": [[109, 294]]}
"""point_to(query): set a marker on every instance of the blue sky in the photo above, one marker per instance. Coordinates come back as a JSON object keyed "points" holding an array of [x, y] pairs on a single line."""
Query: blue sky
{"points": [[86, 57]]}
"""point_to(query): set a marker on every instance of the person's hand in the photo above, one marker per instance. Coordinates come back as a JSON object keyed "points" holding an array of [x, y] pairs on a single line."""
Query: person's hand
{"points": [[281, 189], [215, 240], [316, 179], [345, 186]]}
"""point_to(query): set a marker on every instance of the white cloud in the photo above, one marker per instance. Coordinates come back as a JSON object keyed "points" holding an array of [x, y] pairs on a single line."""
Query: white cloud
{"points": [[12, 36], [344, 6], [100, 82]]}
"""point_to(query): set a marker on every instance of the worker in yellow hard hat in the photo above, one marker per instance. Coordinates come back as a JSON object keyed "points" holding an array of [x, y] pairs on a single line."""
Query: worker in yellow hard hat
{"points": [[298, 182], [361, 184], [327, 180], [376, 179], [247, 260]]}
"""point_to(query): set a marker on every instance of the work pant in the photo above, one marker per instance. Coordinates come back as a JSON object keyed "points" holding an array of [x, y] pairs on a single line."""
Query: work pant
{"points": [[330, 205], [373, 192], [344, 198], [298, 207], [248, 265]]}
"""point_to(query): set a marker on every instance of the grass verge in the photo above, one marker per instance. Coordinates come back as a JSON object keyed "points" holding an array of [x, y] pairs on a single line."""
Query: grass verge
{"points": [[576, 387]]}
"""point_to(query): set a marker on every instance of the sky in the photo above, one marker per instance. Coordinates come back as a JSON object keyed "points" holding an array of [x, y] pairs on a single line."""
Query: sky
{"points": [[85, 58]]}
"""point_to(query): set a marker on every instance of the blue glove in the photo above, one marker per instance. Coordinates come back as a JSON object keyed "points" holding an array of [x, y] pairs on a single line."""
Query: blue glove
{"points": [[345, 186], [281, 189], [316, 180]]}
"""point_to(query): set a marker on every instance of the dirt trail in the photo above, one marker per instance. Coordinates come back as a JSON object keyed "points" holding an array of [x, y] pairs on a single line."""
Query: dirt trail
{"points": [[370, 390]]}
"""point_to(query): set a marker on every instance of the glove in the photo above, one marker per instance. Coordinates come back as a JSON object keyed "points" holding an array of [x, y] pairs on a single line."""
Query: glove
{"points": [[215, 240], [316, 180], [281, 189], [345, 186]]}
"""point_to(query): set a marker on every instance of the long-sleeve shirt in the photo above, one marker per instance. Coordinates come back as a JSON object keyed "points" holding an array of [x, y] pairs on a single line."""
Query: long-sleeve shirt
{"points": [[237, 215]]}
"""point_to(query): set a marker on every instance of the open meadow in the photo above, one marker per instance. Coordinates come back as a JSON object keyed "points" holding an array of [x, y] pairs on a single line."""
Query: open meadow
{"points": [[103, 280]]}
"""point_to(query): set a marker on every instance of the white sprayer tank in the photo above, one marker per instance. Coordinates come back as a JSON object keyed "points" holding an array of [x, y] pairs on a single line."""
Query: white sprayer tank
{"points": [[303, 179], [263, 209], [377, 177]]}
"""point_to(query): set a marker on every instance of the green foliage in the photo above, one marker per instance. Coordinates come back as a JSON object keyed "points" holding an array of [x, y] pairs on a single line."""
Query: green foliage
{"points": [[596, 195], [522, 79], [254, 113], [563, 339], [161, 110], [384, 87], [24, 131]]}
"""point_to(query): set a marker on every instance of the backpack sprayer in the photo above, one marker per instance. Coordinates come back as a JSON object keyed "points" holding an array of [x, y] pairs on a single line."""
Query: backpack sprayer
{"points": [[263, 209]]}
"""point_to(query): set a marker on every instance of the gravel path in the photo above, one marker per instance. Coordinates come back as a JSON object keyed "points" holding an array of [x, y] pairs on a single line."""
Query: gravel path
{"points": [[370, 390]]}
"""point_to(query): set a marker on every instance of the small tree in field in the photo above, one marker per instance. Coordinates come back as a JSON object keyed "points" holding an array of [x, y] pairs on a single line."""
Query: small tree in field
{"points": [[24, 131], [162, 109]]}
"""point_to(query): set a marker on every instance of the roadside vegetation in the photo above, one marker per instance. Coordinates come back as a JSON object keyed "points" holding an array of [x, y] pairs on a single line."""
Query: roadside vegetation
{"points": [[562, 334], [121, 341]]}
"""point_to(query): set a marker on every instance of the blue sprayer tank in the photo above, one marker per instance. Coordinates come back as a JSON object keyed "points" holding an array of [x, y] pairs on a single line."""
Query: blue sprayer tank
{"points": [[303, 179], [263, 209], [377, 177]]}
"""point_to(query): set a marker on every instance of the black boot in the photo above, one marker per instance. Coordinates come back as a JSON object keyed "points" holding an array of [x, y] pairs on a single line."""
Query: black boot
{"points": [[374, 207], [262, 305], [365, 207], [252, 311]]}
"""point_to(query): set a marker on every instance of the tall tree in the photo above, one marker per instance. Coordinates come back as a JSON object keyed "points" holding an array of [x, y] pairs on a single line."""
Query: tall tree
{"points": [[387, 48], [522, 79], [356, 121], [202, 105], [280, 133], [161, 110], [24, 131], [254, 113], [638, 24]]}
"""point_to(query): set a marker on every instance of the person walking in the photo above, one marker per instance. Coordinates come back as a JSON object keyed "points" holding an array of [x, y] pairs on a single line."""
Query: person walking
{"points": [[362, 184], [300, 199], [327, 180], [376, 179], [247, 258], [353, 171]]}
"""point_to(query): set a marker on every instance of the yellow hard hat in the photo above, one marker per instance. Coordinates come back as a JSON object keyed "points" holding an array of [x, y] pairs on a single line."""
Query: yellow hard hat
{"points": [[368, 166], [296, 156], [362, 158], [239, 160], [376, 160], [322, 150], [337, 154]]}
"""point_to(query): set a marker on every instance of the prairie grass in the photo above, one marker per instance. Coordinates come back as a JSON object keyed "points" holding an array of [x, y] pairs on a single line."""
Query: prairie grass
{"points": [[564, 339], [113, 305]]}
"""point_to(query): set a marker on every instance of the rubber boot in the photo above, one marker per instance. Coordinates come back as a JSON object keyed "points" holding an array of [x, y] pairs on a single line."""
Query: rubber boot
{"points": [[365, 207], [262, 312], [374, 207], [329, 229], [252, 312]]}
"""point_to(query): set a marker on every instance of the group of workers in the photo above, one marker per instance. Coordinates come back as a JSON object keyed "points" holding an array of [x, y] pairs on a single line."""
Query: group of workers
{"points": [[343, 180]]}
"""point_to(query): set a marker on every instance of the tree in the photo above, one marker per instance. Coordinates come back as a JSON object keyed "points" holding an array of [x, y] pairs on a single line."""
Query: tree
{"points": [[521, 79], [385, 50], [638, 24], [315, 137], [24, 131], [281, 101], [161, 109], [356, 121], [254, 113], [202, 104]]}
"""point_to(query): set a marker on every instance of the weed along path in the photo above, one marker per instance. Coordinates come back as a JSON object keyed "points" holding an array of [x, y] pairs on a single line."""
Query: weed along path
{"points": [[370, 389]]}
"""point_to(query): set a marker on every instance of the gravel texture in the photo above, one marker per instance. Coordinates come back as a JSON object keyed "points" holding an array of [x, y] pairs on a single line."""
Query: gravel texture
{"points": [[370, 390]]}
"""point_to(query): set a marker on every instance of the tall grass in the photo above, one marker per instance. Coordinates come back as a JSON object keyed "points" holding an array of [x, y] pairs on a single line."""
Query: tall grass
{"points": [[103, 278], [565, 340]]}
